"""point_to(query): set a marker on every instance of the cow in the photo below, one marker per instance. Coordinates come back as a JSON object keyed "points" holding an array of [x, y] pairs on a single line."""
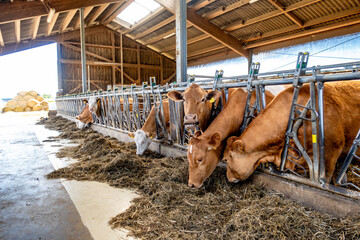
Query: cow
{"points": [[85, 118], [197, 104], [143, 136], [204, 150], [264, 138], [95, 105]]}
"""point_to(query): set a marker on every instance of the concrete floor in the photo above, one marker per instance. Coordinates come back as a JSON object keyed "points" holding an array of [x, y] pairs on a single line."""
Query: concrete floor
{"points": [[33, 207]]}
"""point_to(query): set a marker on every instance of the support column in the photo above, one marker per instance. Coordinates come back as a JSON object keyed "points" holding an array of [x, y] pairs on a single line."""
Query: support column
{"points": [[122, 59], [250, 60], [83, 56], [181, 47], [59, 69]]}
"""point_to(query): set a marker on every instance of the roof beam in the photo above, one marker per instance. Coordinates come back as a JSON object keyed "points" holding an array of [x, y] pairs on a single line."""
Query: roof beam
{"points": [[96, 14], [241, 23], [201, 4], [67, 20], [224, 9], [118, 11], [18, 10], [17, 30], [155, 27], [86, 13], [51, 25], [290, 15], [35, 27], [145, 20], [109, 12], [1, 39], [209, 28]]}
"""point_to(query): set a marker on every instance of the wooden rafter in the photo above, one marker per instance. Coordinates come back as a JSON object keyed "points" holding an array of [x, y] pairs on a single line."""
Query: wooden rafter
{"points": [[96, 14], [17, 30], [169, 78], [18, 10], [110, 11], [290, 15], [201, 4], [87, 52], [35, 27], [145, 20], [224, 9], [1, 39], [86, 13], [164, 35], [209, 28], [67, 20], [155, 27], [117, 12], [52, 24], [241, 23]]}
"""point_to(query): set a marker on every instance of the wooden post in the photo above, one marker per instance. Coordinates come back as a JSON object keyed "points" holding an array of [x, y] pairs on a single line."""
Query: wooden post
{"points": [[122, 59], [161, 69], [113, 58], [138, 63]]}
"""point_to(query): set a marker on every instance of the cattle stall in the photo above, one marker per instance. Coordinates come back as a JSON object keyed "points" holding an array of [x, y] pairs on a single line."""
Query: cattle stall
{"points": [[121, 115]]}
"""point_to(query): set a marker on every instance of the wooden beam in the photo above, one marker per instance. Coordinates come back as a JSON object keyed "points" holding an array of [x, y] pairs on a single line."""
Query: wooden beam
{"points": [[145, 20], [206, 50], [138, 62], [209, 28], [35, 27], [2, 44], [87, 52], [118, 11], [241, 23], [86, 13], [155, 27], [96, 14], [224, 9], [18, 10], [67, 20], [189, 41], [201, 4], [305, 33], [113, 57], [163, 36], [290, 15], [52, 24], [110, 11], [17, 30], [169, 78]]}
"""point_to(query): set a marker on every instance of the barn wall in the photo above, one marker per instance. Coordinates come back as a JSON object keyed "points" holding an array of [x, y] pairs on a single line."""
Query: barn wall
{"points": [[104, 62]]}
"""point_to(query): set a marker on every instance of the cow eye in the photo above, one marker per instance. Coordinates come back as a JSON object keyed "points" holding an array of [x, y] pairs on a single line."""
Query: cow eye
{"points": [[199, 160], [203, 100]]}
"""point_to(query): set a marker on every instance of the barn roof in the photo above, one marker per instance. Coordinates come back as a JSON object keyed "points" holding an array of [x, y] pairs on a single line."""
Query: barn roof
{"points": [[217, 29]]}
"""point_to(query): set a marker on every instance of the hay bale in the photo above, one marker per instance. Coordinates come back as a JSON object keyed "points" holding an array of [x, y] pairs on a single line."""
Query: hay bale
{"points": [[45, 108], [8, 109], [17, 98], [22, 93], [11, 103], [39, 98], [27, 109], [33, 93], [22, 103], [18, 109], [44, 103], [37, 107], [28, 97], [32, 102]]}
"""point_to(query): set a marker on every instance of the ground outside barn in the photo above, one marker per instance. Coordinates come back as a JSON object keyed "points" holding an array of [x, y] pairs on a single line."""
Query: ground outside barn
{"points": [[58, 182]]}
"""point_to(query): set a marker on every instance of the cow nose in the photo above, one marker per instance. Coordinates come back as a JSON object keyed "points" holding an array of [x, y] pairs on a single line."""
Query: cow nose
{"points": [[190, 184], [191, 118]]}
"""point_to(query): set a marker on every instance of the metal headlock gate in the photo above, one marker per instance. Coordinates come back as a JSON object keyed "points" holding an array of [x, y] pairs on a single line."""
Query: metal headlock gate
{"points": [[127, 109]]}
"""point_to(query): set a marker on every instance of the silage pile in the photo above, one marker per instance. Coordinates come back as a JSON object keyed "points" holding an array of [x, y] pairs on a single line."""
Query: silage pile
{"points": [[26, 102], [168, 209]]}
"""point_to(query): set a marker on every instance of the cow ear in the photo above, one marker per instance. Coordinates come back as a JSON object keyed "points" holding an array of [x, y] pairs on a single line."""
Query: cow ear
{"points": [[85, 101], [197, 133], [131, 134], [238, 146], [193, 140], [230, 140], [215, 140], [213, 95], [175, 96]]}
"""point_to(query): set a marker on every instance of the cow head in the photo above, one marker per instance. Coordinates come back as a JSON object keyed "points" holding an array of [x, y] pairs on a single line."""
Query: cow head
{"points": [[142, 141], [203, 156], [242, 161], [95, 105], [197, 104], [80, 124]]}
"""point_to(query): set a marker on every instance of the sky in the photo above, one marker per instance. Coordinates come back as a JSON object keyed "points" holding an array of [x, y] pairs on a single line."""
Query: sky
{"points": [[33, 69]]}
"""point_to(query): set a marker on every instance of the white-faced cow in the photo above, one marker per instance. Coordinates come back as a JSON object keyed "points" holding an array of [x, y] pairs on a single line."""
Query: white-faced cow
{"points": [[264, 138], [85, 117]]}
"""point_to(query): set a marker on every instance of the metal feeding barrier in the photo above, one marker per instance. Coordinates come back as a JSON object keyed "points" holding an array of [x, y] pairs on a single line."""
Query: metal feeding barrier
{"points": [[126, 110]]}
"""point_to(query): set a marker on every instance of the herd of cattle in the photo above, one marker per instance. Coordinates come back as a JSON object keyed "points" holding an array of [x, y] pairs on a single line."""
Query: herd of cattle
{"points": [[264, 138]]}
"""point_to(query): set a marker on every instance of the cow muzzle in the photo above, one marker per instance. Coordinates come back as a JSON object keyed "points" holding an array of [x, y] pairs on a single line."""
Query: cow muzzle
{"points": [[191, 119]]}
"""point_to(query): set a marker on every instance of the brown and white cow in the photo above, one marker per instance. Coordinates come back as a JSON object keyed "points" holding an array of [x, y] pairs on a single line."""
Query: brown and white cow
{"points": [[95, 105], [143, 136], [85, 117], [197, 104], [263, 139], [204, 150]]}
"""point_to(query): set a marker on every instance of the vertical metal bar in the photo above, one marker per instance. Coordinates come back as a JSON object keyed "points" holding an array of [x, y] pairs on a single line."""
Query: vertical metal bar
{"points": [[314, 133], [59, 68], [83, 56], [320, 88], [263, 97], [181, 47]]}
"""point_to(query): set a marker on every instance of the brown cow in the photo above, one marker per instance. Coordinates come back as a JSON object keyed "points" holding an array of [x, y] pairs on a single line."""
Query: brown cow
{"points": [[204, 150], [96, 107], [85, 117], [263, 140], [197, 104], [142, 137]]}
